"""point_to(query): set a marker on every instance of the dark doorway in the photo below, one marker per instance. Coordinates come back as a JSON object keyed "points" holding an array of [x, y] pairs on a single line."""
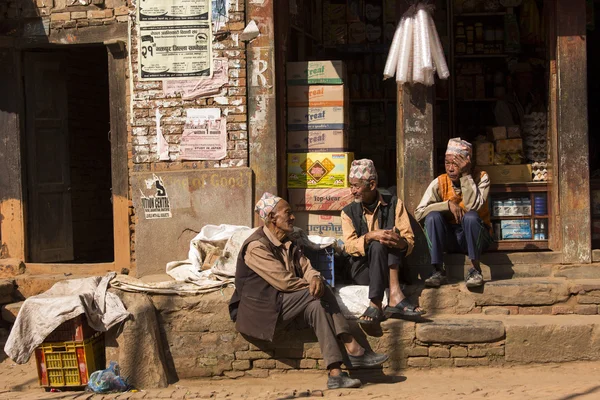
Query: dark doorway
{"points": [[69, 208]]}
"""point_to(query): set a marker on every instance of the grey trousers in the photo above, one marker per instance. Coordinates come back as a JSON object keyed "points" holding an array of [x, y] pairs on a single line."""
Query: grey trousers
{"points": [[323, 315]]}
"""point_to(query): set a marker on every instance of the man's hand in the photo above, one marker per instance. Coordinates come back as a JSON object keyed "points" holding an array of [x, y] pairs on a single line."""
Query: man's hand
{"points": [[463, 163], [316, 287], [388, 238], [457, 211]]}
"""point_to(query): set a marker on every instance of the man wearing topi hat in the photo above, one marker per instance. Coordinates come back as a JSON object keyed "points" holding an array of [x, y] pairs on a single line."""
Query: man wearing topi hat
{"points": [[275, 285], [377, 234], [456, 214]]}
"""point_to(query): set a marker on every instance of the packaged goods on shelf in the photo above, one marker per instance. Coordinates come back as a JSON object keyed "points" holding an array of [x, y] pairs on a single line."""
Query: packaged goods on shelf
{"points": [[497, 133], [484, 153], [505, 146], [318, 170], [515, 224], [500, 174], [513, 132], [522, 233]]}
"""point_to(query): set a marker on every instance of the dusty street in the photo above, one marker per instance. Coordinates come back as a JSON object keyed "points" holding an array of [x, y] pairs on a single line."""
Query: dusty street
{"points": [[576, 381]]}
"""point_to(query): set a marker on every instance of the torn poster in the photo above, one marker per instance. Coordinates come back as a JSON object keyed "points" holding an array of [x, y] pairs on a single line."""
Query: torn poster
{"points": [[204, 135], [162, 147], [156, 205], [175, 51], [174, 10], [204, 87], [220, 13]]}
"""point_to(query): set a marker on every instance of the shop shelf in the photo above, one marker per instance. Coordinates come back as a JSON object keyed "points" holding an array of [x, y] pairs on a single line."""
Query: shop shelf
{"points": [[480, 14], [482, 56], [69, 364], [520, 244]]}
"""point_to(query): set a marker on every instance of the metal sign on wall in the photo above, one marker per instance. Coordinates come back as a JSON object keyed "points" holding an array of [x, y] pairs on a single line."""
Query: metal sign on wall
{"points": [[175, 39]]}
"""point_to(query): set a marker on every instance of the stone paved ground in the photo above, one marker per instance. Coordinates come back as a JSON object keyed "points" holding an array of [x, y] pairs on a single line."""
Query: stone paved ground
{"points": [[570, 381]]}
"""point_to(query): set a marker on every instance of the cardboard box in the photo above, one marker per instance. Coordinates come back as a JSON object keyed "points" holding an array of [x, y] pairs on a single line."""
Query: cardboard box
{"points": [[322, 224], [484, 153], [509, 173], [317, 118], [316, 73], [509, 146], [324, 141], [319, 199], [318, 170], [513, 132], [497, 133], [317, 96]]}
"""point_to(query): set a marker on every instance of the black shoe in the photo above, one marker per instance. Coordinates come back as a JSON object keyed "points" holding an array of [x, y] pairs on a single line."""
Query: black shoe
{"points": [[368, 360], [342, 381], [436, 280]]}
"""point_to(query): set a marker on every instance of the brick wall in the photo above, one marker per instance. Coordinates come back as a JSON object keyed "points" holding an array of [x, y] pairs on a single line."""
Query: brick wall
{"points": [[89, 124]]}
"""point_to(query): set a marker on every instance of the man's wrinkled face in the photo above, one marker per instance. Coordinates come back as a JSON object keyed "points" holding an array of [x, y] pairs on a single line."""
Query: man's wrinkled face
{"points": [[451, 167], [283, 217], [362, 190]]}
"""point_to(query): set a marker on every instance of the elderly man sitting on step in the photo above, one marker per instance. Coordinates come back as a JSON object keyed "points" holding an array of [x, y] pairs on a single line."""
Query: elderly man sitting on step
{"points": [[276, 284]]}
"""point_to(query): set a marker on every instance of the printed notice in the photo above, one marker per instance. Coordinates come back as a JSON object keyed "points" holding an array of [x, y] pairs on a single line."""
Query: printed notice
{"points": [[204, 136], [204, 87], [175, 51], [174, 10], [156, 205]]}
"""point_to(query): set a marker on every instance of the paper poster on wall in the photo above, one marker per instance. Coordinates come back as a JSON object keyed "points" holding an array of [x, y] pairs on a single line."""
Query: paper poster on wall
{"points": [[175, 51], [174, 10], [204, 135], [156, 203], [203, 87]]}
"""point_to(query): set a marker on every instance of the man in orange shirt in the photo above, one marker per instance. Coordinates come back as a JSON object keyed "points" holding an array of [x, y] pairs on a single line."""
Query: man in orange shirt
{"points": [[456, 214]]}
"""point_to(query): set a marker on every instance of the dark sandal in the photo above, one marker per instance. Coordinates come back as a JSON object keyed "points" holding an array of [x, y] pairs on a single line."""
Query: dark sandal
{"points": [[374, 313], [404, 308]]}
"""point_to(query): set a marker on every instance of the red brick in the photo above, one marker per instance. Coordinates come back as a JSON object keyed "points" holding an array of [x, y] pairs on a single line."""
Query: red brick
{"points": [[562, 309], [542, 310], [586, 309], [64, 16]]}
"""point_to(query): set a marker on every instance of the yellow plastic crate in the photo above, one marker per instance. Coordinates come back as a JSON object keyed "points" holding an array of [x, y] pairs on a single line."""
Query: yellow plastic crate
{"points": [[61, 364]]}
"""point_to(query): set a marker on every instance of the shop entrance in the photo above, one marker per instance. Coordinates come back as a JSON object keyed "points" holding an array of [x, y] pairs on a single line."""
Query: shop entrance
{"points": [[68, 156], [593, 63]]}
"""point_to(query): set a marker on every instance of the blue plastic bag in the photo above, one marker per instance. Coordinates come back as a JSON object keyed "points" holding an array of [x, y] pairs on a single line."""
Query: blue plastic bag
{"points": [[108, 380]]}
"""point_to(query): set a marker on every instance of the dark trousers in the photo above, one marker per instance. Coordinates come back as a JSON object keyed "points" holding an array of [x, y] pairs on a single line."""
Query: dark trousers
{"points": [[323, 315], [470, 237], [374, 269]]}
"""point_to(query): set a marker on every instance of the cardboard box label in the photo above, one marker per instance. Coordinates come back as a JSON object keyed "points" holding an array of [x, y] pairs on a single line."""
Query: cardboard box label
{"points": [[322, 224], [335, 140], [316, 118], [509, 173], [317, 96], [319, 199], [316, 73], [318, 170]]}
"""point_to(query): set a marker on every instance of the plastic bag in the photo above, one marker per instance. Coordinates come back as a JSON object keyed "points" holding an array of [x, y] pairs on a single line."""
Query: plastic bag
{"points": [[108, 380]]}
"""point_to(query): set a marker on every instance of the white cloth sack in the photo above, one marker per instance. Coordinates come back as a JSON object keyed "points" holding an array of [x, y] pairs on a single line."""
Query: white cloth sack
{"points": [[354, 299], [40, 315]]}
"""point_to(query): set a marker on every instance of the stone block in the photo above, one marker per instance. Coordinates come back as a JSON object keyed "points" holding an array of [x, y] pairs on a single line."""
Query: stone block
{"points": [[592, 297], [96, 14], [470, 362], [253, 355], [234, 374], [10, 267], [457, 351], [439, 352], [553, 339], [241, 365], [399, 330], [496, 310], [78, 15], [460, 331], [584, 271], [289, 352], [10, 312], [287, 363], [586, 309], [522, 292], [442, 362], [417, 351], [314, 352], [63, 16], [444, 298], [541, 310], [308, 364], [123, 10], [562, 309], [421, 362], [264, 364]]}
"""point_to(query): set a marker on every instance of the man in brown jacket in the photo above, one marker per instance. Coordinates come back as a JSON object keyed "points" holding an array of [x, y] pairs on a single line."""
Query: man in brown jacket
{"points": [[276, 284]]}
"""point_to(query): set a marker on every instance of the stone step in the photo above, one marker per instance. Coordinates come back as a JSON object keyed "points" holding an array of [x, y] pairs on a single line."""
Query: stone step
{"points": [[11, 267], [7, 291], [31, 285], [596, 255], [10, 311], [529, 296]]}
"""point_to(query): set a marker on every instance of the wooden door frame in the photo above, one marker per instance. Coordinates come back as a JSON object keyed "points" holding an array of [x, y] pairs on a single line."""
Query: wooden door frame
{"points": [[13, 210]]}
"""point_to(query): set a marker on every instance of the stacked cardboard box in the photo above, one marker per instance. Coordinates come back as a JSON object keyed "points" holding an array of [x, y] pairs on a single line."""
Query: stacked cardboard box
{"points": [[318, 163], [502, 155]]}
